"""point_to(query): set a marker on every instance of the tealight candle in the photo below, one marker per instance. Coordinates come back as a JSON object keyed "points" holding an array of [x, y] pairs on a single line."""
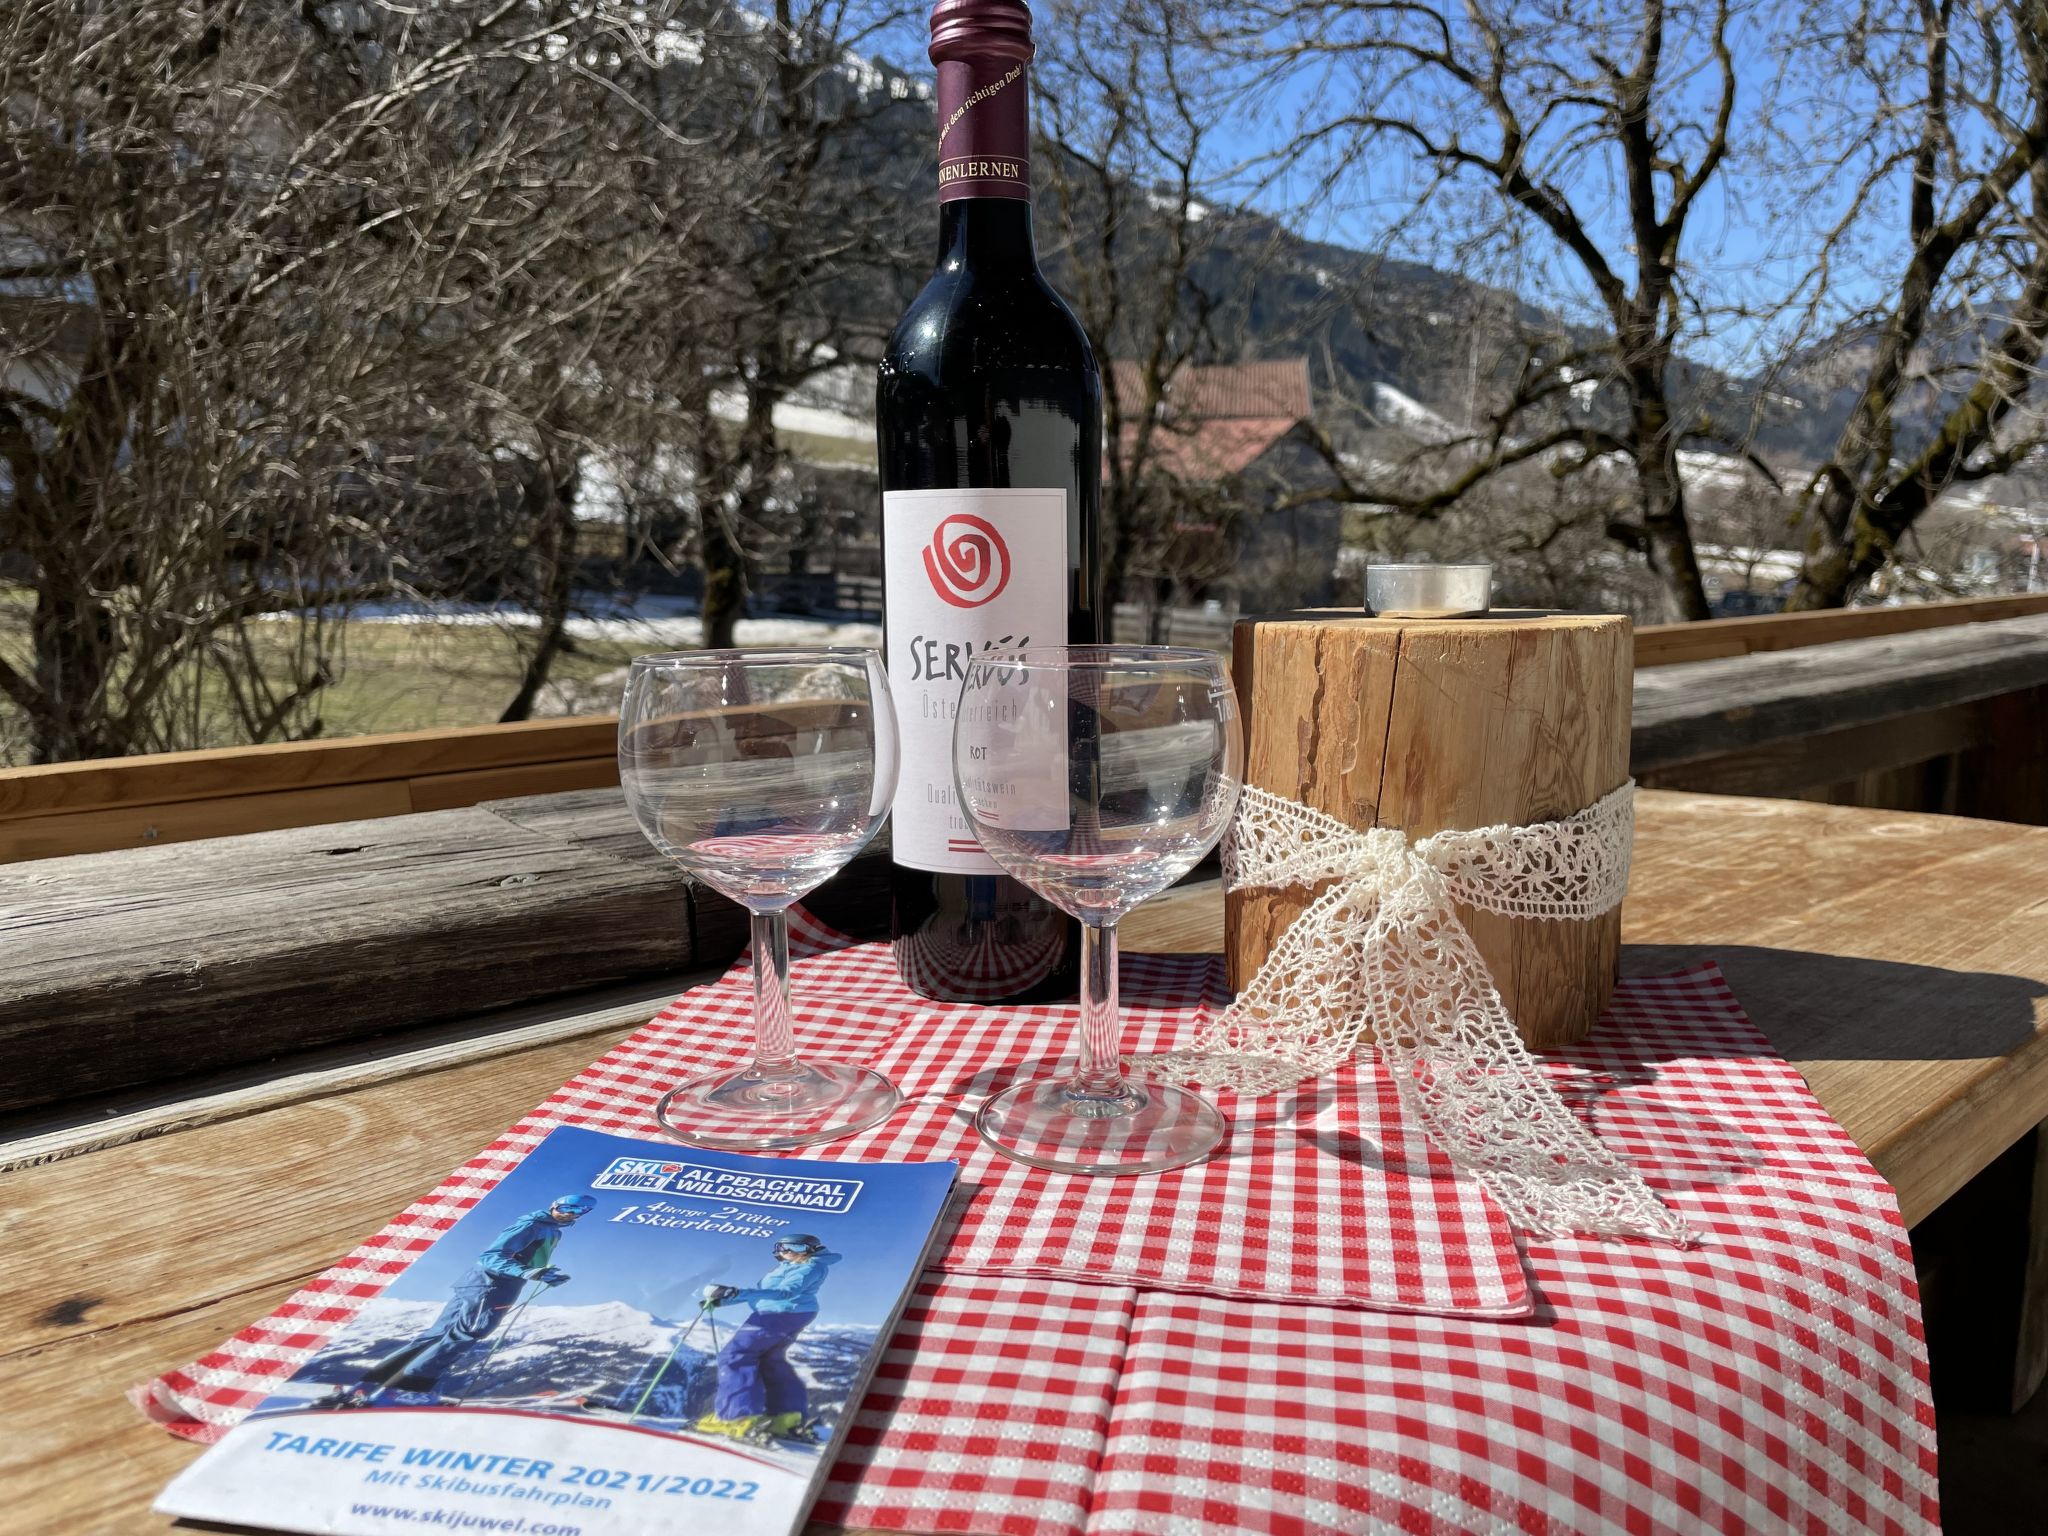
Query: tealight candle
{"points": [[1416, 591]]}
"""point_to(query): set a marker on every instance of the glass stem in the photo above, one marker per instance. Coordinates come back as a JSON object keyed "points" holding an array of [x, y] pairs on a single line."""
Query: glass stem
{"points": [[1102, 1066], [774, 1037]]}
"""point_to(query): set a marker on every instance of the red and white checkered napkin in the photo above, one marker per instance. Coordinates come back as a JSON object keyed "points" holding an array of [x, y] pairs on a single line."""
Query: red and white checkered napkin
{"points": [[1328, 1193], [988, 1411], [1771, 1378]]}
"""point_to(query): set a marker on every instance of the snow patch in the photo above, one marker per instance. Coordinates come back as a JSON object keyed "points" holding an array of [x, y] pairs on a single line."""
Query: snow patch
{"points": [[1701, 470], [607, 1358], [1406, 413]]}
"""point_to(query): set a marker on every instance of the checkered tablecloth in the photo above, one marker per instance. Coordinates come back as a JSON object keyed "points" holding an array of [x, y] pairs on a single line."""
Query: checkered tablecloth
{"points": [[1326, 1193], [1770, 1378]]}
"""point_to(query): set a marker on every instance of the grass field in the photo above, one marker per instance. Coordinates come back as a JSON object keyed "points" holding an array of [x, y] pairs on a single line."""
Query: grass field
{"points": [[404, 677], [392, 677]]}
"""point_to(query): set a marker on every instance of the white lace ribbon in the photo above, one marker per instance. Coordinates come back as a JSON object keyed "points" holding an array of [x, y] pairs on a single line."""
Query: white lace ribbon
{"points": [[1381, 958]]}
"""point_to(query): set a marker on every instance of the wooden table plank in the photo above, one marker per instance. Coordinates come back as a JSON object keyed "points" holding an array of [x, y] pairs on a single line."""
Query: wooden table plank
{"points": [[1901, 961], [204, 956]]}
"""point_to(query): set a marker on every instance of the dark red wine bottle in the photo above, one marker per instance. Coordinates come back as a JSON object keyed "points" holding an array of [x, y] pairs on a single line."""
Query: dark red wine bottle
{"points": [[988, 413]]}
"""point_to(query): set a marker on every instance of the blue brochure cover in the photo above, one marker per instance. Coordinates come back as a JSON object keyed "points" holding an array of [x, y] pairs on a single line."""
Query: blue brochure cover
{"points": [[621, 1337]]}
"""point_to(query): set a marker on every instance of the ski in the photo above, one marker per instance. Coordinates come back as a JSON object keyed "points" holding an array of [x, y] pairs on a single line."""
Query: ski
{"points": [[354, 1397], [347, 1397]]}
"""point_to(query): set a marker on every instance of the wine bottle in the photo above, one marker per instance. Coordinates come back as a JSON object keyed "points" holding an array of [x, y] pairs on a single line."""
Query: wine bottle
{"points": [[988, 413]]}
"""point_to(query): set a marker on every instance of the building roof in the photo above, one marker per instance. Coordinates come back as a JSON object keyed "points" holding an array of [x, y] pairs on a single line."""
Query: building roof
{"points": [[1216, 421], [1223, 391]]}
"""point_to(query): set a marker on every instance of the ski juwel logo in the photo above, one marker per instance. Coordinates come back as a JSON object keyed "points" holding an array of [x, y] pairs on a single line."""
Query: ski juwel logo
{"points": [[650, 1175], [967, 561]]}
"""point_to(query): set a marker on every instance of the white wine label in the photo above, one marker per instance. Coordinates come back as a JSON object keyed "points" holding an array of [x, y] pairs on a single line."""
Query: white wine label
{"points": [[964, 573]]}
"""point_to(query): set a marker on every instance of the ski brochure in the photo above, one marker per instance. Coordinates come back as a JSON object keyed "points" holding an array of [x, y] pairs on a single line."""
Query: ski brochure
{"points": [[622, 1337]]}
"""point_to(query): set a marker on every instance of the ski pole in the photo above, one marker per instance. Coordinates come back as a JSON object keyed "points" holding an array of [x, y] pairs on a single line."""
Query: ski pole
{"points": [[503, 1334], [703, 1311]]}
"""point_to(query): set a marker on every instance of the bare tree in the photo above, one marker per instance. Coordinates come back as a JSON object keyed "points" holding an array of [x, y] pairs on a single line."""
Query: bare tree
{"points": [[1961, 94], [1127, 117], [1551, 115], [303, 307], [821, 234]]}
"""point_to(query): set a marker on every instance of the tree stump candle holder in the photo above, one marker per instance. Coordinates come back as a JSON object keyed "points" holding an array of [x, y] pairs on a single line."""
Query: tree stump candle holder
{"points": [[1434, 724]]}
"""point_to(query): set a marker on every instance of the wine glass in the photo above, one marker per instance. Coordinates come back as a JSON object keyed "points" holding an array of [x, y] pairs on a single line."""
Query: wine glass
{"points": [[762, 773], [1098, 776]]}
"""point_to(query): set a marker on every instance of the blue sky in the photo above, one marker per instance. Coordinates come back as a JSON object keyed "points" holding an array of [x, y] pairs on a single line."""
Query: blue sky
{"points": [[1756, 234], [661, 1270], [1753, 237]]}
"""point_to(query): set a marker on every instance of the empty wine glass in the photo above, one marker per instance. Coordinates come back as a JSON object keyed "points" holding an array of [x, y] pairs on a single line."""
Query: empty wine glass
{"points": [[1098, 776], [762, 773]]}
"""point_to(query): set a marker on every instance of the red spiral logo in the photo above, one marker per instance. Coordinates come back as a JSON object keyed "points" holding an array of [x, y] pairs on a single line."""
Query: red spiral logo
{"points": [[967, 560]]}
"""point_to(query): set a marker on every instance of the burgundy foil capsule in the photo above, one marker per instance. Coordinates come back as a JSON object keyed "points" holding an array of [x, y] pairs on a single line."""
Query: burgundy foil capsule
{"points": [[981, 48]]}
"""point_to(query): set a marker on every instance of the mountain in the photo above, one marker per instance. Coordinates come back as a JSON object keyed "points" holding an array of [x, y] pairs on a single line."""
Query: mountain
{"points": [[609, 1351], [1394, 346]]}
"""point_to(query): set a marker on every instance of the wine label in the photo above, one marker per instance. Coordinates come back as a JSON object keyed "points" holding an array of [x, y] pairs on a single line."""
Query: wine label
{"points": [[964, 573], [984, 129]]}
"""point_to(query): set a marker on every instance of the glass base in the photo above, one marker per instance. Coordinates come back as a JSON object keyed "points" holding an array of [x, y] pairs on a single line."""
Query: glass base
{"points": [[1146, 1128], [756, 1110]]}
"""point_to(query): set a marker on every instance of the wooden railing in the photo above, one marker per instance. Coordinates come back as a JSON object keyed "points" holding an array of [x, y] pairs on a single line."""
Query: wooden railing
{"points": [[1663, 645], [115, 803], [170, 797]]}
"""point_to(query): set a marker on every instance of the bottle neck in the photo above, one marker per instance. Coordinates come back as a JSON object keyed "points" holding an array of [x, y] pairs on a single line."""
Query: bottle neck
{"points": [[988, 234]]}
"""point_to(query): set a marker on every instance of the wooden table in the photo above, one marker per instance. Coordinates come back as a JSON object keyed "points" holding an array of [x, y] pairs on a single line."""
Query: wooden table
{"points": [[1900, 961]]}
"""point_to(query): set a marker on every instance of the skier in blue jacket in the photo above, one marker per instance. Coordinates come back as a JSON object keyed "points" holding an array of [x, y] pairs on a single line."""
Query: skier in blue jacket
{"points": [[759, 1392], [524, 1251]]}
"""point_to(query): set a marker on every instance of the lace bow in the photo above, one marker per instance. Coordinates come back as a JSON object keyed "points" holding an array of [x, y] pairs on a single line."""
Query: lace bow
{"points": [[1381, 958]]}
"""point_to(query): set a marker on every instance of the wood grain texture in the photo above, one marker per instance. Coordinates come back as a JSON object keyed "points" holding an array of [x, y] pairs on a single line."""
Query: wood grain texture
{"points": [[87, 1125], [451, 791], [279, 1194], [2005, 777], [192, 959], [1900, 962], [1822, 760], [233, 771], [184, 821], [186, 959], [1663, 645], [1429, 725], [1712, 709]]}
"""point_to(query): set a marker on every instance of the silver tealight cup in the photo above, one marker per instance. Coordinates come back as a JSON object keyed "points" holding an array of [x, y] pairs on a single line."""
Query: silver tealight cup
{"points": [[1413, 591]]}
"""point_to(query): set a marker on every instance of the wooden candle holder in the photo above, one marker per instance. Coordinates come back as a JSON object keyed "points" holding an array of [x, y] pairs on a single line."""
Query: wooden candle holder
{"points": [[1428, 724]]}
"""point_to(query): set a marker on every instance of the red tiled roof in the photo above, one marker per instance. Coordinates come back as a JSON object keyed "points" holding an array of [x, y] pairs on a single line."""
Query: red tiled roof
{"points": [[1217, 420], [1225, 391], [1214, 450]]}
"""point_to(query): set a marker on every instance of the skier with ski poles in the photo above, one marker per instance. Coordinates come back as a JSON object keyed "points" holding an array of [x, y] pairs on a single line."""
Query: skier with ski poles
{"points": [[409, 1376], [760, 1395]]}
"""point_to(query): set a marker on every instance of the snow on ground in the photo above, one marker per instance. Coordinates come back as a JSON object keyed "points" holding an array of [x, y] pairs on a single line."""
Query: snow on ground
{"points": [[653, 621], [1737, 562], [1704, 471], [1410, 415], [791, 417], [687, 631], [611, 1351]]}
